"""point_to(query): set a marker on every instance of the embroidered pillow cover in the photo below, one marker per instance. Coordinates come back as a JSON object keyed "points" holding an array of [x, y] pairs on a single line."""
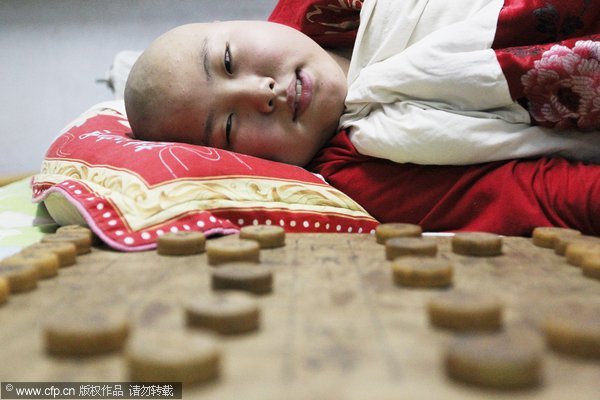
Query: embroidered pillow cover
{"points": [[130, 191]]}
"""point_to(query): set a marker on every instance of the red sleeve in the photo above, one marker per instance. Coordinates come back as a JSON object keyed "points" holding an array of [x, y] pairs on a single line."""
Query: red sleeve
{"points": [[509, 198], [547, 49], [534, 22]]}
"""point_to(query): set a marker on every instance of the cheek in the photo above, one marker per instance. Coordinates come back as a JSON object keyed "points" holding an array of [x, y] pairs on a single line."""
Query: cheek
{"points": [[260, 138], [278, 52], [275, 142], [331, 97], [270, 61]]}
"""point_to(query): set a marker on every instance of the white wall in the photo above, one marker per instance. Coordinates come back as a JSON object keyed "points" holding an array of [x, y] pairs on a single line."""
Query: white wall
{"points": [[52, 51]]}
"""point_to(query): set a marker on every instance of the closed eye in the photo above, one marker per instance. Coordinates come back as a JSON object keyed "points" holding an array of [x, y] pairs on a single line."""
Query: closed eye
{"points": [[227, 59]]}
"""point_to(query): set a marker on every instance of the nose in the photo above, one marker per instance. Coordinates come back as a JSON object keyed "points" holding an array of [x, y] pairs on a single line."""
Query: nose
{"points": [[255, 92]]}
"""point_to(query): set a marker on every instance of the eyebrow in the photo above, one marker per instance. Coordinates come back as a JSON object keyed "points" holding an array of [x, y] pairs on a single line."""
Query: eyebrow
{"points": [[208, 126], [206, 59]]}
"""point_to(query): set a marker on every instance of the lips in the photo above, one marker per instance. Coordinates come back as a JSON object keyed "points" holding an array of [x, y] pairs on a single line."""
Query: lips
{"points": [[299, 93]]}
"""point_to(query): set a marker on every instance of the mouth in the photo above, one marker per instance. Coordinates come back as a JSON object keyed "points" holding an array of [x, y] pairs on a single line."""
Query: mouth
{"points": [[299, 93]]}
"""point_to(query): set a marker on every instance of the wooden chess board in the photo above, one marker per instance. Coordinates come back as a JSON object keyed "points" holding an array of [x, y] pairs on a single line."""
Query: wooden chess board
{"points": [[335, 326]]}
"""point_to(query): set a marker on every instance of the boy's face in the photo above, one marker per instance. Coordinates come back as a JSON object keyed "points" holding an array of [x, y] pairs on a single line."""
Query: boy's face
{"points": [[252, 87]]}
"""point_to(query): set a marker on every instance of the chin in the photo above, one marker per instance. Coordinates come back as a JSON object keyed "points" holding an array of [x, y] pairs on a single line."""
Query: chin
{"points": [[299, 159]]}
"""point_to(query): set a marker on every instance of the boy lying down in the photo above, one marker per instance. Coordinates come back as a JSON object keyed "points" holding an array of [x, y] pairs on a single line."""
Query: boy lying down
{"points": [[422, 85]]}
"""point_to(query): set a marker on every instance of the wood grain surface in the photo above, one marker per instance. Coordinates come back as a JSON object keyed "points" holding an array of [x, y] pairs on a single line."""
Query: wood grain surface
{"points": [[335, 326]]}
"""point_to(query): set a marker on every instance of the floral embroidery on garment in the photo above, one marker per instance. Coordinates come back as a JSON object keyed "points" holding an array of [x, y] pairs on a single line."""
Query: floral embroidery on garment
{"points": [[563, 87]]}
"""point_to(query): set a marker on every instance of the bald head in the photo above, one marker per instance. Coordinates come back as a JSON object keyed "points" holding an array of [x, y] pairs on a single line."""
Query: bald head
{"points": [[141, 99], [158, 98]]}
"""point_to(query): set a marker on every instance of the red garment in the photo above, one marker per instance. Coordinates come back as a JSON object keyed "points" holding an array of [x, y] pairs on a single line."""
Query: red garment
{"points": [[329, 23], [511, 197], [530, 22]]}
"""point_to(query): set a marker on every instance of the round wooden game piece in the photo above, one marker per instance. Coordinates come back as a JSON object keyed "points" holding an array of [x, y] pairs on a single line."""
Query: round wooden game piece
{"points": [[246, 277], [66, 229], [267, 236], [181, 243], [460, 311], [4, 290], [501, 361], [173, 356], [479, 244], [410, 246], [73, 228], [383, 232], [46, 262], [65, 251], [563, 241], [227, 249], [590, 265], [544, 236], [575, 333], [576, 251], [81, 240], [21, 276], [226, 313], [85, 332], [422, 272], [80, 229]]}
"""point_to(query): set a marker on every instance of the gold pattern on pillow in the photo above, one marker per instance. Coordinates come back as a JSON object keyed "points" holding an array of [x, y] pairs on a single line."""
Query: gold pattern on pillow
{"points": [[144, 206]]}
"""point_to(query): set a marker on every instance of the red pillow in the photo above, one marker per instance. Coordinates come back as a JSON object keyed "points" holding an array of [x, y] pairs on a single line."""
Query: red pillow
{"points": [[130, 192]]}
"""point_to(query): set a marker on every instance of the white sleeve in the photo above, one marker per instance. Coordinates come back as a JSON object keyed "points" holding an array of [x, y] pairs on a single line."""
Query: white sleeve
{"points": [[412, 132]]}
